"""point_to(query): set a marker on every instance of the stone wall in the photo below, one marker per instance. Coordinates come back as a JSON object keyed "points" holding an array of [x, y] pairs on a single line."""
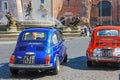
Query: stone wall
{"points": [[3, 28]]}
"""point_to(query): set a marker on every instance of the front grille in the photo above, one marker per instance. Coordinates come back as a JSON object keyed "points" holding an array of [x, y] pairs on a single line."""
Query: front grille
{"points": [[29, 59], [107, 53]]}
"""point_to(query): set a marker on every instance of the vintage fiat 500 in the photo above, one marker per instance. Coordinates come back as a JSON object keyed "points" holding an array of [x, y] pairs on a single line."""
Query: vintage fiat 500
{"points": [[38, 49], [104, 45]]}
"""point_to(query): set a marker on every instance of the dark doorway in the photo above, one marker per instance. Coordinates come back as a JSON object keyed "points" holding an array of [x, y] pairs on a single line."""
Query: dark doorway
{"points": [[104, 8]]}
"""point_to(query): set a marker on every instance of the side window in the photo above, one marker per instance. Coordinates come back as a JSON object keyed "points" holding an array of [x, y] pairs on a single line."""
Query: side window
{"points": [[59, 35], [55, 39]]}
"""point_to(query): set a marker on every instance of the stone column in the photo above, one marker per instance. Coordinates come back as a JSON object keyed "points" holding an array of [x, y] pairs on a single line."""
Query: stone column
{"points": [[86, 10], [19, 8]]}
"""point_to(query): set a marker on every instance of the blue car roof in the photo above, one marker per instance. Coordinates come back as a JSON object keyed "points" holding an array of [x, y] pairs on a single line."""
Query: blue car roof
{"points": [[46, 29]]}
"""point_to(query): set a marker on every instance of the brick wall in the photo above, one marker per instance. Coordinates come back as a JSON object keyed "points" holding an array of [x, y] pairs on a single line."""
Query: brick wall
{"points": [[115, 4], [70, 9]]}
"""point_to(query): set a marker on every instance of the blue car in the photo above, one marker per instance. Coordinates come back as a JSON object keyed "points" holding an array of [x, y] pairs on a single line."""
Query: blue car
{"points": [[38, 49]]}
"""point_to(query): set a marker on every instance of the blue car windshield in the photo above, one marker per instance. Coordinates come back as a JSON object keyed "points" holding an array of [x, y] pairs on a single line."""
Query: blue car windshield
{"points": [[34, 36], [107, 33]]}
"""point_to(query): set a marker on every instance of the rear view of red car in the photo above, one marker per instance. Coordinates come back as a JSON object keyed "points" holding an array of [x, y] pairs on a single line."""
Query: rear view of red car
{"points": [[104, 45]]}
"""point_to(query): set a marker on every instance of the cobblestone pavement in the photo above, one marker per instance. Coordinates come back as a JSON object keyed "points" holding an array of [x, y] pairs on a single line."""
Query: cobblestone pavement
{"points": [[74, 69]]}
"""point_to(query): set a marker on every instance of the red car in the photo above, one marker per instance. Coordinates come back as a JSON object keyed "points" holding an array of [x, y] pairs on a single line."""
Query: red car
{"points": [[104, 45]]}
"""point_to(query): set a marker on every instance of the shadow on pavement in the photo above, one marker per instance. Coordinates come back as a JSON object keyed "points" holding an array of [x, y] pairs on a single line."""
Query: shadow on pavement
{"points": [[80, 64], [77, 63], [4, 71], [30, 75]]}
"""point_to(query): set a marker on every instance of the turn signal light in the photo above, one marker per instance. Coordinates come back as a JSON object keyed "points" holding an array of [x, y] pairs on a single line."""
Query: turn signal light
{"points": [[91, 50], [47, 59], [12, 59]]}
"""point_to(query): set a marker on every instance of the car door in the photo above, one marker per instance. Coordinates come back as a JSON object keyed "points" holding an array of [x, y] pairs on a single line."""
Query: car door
{"points": [[61, 45], [57, 45]]}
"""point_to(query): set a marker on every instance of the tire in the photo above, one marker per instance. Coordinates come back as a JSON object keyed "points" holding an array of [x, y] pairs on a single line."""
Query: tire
{"points": [[14, 71], [65, 59], [89, 63], [57, 67]]}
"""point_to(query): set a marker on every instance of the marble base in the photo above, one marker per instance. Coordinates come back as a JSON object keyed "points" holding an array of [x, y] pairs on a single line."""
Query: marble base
{"points": [[12, 29]]}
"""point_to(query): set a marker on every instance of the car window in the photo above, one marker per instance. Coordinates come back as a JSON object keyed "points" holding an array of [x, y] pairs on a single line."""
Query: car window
{"points": [[107, 33], [59, 36], [55, 39], [34, 36]]}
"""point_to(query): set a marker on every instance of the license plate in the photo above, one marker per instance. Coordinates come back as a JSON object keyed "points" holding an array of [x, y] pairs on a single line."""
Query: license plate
{"points": [[28, 59]]}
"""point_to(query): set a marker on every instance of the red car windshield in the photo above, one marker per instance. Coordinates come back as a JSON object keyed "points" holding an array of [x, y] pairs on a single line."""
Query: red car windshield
{"points": [[107, 33]]}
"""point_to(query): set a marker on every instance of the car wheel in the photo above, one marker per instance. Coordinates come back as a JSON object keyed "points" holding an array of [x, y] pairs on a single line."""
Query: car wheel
{"points": [[57, 67], [65, 59], [14, 71], [89, 63]]}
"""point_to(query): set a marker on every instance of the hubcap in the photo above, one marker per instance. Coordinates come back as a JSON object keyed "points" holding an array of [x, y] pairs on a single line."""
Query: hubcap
{"points": [[58, 66]]}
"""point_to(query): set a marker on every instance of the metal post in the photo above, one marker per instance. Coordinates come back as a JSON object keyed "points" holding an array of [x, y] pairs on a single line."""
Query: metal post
{"points": [[111, 12], [100, 12]]}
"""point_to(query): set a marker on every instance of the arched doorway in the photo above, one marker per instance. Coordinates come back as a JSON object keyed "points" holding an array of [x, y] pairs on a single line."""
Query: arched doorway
{"points": [[105, 12], [104, 8]]}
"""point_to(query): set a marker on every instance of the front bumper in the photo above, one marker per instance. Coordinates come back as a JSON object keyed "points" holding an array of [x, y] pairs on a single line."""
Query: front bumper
{"points": [[104, 59], [31, 66]]}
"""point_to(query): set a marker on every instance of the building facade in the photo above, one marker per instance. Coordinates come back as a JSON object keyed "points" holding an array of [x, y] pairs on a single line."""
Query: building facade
{"points": [[70, 9], [46, 8], [6, 6], [105, 11], [101, 11], [40, 9]]}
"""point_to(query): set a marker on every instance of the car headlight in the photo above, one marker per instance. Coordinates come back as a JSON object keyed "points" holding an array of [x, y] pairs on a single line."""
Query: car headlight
{"points": [[116, 52], [97, 52]]}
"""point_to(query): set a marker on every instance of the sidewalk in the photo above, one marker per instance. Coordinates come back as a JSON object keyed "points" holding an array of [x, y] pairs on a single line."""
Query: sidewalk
{"points": [[9, 36]]}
